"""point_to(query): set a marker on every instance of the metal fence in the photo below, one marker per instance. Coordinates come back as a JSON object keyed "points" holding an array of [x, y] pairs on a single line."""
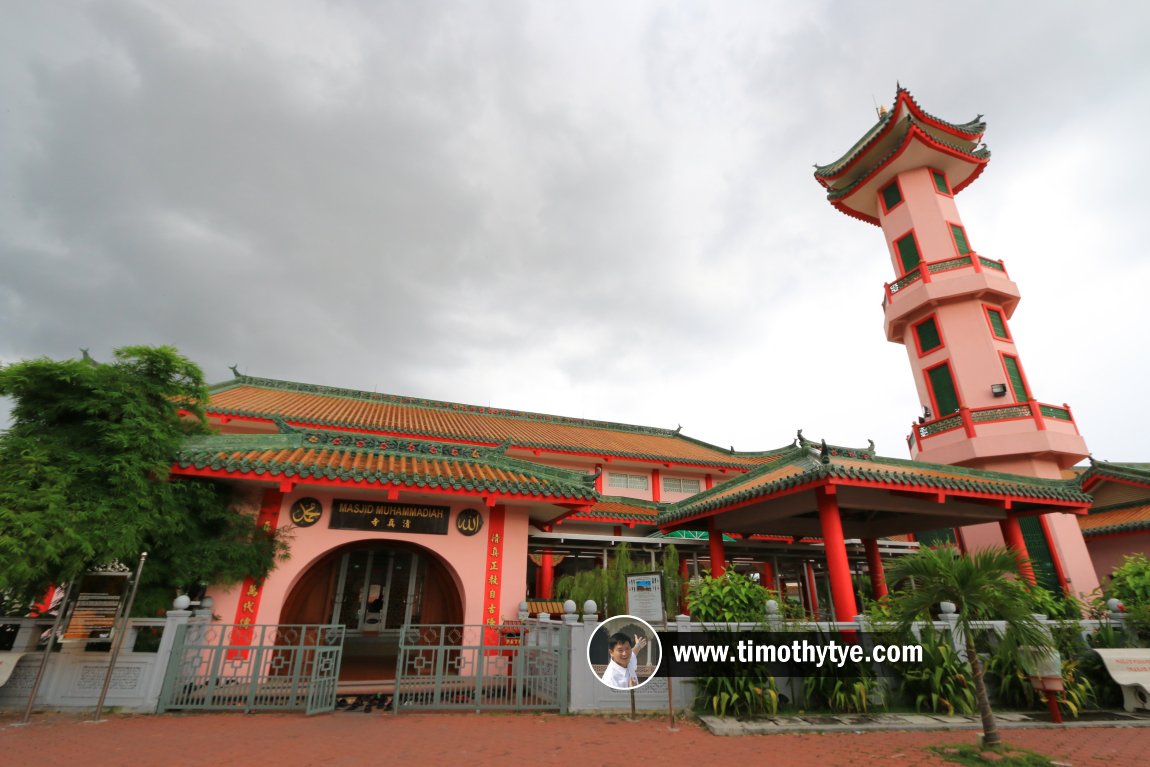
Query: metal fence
{"points": [[517, 666], [229, 667]]}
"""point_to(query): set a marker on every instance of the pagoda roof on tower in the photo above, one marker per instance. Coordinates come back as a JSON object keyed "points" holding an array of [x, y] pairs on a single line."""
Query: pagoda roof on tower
{"points": [[904, 138], [311, 406]]}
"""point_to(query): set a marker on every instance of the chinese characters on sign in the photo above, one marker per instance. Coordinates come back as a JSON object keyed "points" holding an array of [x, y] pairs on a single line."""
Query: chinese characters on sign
{"points": [[494, 571], [389, 517]]}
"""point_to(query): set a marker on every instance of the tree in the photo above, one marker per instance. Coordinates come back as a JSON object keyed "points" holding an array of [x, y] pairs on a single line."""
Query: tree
{"points": [[982, 587], [84, 478]]}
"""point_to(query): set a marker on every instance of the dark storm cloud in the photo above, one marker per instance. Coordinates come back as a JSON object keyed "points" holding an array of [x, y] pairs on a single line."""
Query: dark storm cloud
{"points": [[600, 210]]}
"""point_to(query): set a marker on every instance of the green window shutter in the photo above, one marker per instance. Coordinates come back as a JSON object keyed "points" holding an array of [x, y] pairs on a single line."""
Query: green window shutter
{"points": [[928, 337], [1017, 385], [960, 239], [940, 182], [1040, 558], [935, 538], [908, 252], [945, 395], [891, 195], [997, 324]]}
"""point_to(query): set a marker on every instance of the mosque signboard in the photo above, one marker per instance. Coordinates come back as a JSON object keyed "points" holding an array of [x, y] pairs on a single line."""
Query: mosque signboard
{"points": [[389, 517]]}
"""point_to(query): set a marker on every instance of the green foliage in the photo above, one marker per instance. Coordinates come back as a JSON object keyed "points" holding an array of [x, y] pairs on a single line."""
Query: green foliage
{"points": [[1130, 582], [672, 581], [982, 586], [943, 683], [733, 598], [1054, 606], [729, 598], [608, 586], [84, 478], [750, 695], [1003, 756], [828, 688]]}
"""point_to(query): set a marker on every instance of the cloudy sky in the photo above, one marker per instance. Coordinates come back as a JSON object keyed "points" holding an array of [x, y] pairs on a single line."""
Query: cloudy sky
{"points": [[602, 210]]}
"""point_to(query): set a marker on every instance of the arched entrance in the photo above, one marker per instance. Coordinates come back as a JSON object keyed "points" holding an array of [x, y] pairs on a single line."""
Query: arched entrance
{"points": [[373, 589]]}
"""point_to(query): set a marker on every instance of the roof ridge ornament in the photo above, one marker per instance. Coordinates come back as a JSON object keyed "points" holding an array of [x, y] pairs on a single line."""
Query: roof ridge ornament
{"points": [[235, 370]]}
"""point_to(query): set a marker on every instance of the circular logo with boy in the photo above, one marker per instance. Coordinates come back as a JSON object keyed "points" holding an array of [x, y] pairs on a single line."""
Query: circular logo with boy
{"points": [[624, 652]]}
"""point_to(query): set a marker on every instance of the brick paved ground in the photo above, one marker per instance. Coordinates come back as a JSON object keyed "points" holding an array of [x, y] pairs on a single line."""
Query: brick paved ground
{"points": [[358, 739]]}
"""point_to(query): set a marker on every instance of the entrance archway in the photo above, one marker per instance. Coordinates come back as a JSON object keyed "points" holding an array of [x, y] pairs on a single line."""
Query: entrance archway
{"points": [[373, 589]]}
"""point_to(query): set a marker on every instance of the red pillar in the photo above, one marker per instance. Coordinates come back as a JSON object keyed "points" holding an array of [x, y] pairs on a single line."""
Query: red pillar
{"points": [[874, 565], [546, 576], [838, 565], [718, 558], [768, 573], [1012, 534]]}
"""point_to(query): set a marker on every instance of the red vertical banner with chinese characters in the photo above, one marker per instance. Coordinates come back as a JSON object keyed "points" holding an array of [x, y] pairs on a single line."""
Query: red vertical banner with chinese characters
{"points": [[494, 574], [248, 607]]}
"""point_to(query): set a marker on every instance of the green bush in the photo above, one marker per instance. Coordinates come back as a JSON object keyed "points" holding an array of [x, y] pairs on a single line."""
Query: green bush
{"points": [[943, 682], [730, 597], [733, 598], [1131, 581]]}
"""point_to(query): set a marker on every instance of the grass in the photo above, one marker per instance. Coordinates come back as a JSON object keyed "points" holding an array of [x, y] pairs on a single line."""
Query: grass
{"points": [[1003, 756]]}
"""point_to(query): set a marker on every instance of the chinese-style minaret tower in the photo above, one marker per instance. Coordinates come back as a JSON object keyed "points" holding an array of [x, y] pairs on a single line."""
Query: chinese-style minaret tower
{"points": [[950, 307]]}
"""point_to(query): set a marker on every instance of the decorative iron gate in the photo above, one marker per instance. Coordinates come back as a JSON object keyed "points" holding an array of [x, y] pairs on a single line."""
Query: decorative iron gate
{"points": [[515, 667], [228, 667]]}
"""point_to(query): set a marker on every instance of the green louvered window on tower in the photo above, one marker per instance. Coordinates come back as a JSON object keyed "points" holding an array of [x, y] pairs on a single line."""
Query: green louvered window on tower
{"points": [[940, 181], [960, 239], [997, 324], [1040, 557], [928, 337], [942, 386], [908, 252], [1017, 384], [891, 195]]}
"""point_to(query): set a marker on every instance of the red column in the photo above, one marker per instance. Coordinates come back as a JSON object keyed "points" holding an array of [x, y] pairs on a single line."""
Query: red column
{"points": [[768, 573], [838, 565], [874, 565], [1012, 534], [546, 576], [718, 558]]}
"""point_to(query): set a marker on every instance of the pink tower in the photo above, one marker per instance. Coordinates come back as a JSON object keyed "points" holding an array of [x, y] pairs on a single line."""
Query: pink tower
{"points": [[950, 307]]}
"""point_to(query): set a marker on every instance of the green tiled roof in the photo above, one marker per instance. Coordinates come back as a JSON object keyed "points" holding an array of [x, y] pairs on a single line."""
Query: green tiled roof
{"points": [[1135, 472], [806, 463], [383, 462], [972, 128]]}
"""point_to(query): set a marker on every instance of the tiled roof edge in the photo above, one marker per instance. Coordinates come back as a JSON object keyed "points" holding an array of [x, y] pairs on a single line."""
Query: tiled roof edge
{"points": [[455, 407]]}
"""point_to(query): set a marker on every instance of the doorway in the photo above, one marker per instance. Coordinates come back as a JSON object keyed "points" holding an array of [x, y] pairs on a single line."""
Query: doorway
{"points": [[373, 590]]}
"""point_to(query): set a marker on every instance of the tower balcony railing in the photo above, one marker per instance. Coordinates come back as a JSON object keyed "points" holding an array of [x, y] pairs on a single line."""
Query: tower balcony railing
{"points": [[926, 269], [969, 419]]}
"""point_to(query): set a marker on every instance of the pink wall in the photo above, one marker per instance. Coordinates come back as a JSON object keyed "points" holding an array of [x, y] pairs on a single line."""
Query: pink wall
{"points": [[464, 557], [1109, 552]]}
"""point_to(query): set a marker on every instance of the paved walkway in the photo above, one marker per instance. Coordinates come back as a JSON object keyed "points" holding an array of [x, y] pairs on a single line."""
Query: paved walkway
{"points": [[357, 739]]}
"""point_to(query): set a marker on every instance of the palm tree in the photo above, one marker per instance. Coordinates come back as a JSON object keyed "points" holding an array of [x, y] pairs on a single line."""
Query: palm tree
{"points": [[983, 586]]}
